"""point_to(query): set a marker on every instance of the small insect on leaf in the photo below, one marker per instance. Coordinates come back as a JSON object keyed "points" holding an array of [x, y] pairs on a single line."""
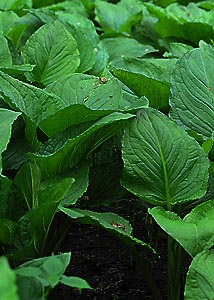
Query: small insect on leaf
{"points": [[119, 226], [103, 79], [209, 89]]}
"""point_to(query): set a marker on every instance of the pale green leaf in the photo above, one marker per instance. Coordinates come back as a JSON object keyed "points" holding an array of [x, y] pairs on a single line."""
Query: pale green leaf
{"points": [[200, 277], [8, 289], [47, 270], [7, 20], [194, 232], [75, 282], [15, 4]]}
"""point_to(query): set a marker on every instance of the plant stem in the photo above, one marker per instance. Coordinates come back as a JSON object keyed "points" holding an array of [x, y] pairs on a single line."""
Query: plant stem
{"points": [[146, 270], [175, 268]]}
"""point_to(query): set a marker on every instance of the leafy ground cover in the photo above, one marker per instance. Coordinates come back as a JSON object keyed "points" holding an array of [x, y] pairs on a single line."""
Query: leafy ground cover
{"points": [[99, 102]]}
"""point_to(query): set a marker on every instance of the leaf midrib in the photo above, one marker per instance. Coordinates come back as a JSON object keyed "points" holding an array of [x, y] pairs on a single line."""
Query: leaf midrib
{"points": [[166, 180]]}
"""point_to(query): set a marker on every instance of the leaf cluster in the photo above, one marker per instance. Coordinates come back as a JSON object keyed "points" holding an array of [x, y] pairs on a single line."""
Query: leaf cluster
{"points": [[98, 100]]}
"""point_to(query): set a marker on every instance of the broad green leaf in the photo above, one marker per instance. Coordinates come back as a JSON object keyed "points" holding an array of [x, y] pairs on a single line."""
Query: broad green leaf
{"points": [[56, 156], [33, 227], [41, 3], [115, 18], [163, 164], [74, 89], [200, 277], [79, 21], [110, 221], [106, 96], [33, 102], [7, 20], [54, 52], [5, 55], [75, 282], [207, 145], [194, 232], [87, 54], [104, 184], [16, 69], [125, 48], [8, 289], [101, 60], [70, 116], [7, 117], [192, 90], [15, 154], [20, 32], [7, 230], [28, 180], [15, 35], [178, 50], [131, 103], [188, 23], [88, 90], [147, 77], [5, 189], [44, 15], [74, 7], [29, 288], [208, 5], [12, 206], [15, 4], [47, 270], [80, 173], [84, 32]]}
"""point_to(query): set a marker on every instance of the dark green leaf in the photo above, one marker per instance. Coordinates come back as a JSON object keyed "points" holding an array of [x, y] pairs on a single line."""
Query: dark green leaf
{"points": [[147, 77], [7, 230], [163, 165], [7, 117], [57, 156], [110, 221], [33, 102], [28, 180], [192, 90]]}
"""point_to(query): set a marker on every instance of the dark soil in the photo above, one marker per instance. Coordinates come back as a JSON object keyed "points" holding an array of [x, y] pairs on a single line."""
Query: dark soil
{"points": [[107, 265]]}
